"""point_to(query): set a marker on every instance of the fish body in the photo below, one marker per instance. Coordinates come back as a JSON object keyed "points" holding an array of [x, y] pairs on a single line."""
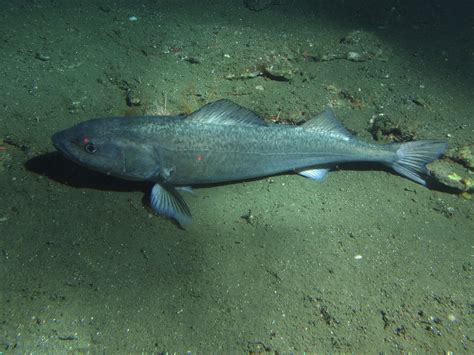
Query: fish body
{"points": [[223, 142]]}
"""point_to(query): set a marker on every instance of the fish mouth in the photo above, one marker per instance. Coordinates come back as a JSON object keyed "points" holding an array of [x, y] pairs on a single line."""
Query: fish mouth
{"points": [[63, 146], [58, 142]]}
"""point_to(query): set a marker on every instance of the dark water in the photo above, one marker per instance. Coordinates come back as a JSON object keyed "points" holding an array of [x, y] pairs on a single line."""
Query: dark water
{"points": [[364, 261]]}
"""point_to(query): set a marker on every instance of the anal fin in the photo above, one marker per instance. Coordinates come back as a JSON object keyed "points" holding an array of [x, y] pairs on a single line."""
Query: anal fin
{"points": [[315, 174]]}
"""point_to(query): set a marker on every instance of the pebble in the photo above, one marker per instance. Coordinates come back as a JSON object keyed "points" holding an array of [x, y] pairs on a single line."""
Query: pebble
{"points": [[42, 56]]}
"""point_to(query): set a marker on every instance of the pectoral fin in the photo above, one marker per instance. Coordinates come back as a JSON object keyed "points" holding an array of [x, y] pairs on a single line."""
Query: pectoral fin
{"points": [[166, 201]]}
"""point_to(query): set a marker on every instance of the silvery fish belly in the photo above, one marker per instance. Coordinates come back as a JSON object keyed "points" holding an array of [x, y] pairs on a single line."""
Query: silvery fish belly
{"points": [[223, 141]]}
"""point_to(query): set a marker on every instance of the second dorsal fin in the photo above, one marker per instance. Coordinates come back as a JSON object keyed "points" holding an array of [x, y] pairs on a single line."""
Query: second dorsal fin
{"points": [[326, 122]]}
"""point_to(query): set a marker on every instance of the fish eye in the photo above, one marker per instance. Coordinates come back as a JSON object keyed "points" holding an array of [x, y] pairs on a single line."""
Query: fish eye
{"points": [[90, 148]]}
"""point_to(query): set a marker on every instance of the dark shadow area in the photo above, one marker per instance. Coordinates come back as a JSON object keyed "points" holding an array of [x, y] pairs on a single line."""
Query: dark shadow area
{"points": [[56, 167], [439, 31], [431, 183]]}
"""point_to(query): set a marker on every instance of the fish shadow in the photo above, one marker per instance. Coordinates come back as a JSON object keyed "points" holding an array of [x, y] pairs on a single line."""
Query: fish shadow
{"points": [[431, 182], [56, 167]]}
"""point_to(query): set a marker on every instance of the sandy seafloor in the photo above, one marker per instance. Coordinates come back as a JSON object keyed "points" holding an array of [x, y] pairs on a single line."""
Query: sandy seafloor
{"points": [[366, 261]]}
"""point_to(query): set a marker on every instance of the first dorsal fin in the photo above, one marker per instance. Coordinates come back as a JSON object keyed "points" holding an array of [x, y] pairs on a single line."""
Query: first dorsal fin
{"points": [[326, 122], [226, 112]]}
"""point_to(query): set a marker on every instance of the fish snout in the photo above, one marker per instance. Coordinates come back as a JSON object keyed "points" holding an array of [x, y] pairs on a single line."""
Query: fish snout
{"points": [[55, 138]]}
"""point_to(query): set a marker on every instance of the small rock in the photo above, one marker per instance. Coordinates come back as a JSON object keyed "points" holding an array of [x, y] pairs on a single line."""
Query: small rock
{"points": [[43, 57], [356, 57], [452, 175], [133, 99]]}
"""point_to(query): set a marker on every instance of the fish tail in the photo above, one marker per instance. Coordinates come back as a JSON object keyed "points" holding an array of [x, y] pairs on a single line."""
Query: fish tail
{"points": [[412, 157]]}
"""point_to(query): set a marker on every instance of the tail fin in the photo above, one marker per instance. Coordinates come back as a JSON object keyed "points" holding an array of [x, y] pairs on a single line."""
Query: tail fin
{"points": [[413, 157]]}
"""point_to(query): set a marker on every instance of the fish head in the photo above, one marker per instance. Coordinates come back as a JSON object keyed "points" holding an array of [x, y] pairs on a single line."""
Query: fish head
{"points": [[111, 146]]}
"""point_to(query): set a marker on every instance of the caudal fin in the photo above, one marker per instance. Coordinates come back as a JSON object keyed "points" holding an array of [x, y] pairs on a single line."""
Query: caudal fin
{"points": [[413, 157]]}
